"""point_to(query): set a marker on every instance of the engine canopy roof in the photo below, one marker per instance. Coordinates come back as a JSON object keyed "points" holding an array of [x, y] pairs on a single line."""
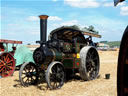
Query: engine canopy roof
{"points": [[68, 33]]}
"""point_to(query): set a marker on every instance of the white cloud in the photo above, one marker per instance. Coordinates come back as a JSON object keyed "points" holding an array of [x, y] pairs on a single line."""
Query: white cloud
{"points": [[69, 23], [111, 4], [108, 4], [122, 4], [124, 11], [63, 23], [51, 18], [54, 18], [82, 3], [33, 18]]}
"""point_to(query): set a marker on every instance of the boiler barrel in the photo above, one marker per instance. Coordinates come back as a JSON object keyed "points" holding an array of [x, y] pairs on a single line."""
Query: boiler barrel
{"points": [[44, 55]]}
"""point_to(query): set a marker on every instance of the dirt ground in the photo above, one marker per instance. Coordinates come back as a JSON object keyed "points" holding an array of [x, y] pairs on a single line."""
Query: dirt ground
{"points": [[10, 86]]}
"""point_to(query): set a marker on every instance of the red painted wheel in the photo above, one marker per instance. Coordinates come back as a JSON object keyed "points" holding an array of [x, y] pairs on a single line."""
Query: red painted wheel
{"points": [[7, 64]]}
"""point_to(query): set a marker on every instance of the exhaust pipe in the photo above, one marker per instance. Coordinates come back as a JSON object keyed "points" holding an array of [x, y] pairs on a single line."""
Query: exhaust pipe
{"points": [[43, 28]]}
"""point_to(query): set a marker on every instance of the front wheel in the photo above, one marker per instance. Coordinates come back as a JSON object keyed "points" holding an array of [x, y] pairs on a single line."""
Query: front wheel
{"points": [[55, 75], [28, 74]]}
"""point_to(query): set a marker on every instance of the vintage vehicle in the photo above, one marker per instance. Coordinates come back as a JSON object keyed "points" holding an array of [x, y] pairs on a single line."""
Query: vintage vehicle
{"points": [[66, 52], [122, 69], [122, 73], [7, 60]]}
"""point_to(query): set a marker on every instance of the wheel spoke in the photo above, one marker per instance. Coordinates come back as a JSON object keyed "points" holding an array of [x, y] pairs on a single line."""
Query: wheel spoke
{"points": [[25, 69], [2, 58], [10, 67], [57, 68], [54, 85], [6, 57], [24, 77], [93, 52], [52, 77], [28, 68], [27, 80], [1, 65], [95, 58], [32, 79], [2, 68], [32, 69], [24, 73], [89, 54], [8, 62], [1, 61], [5, 70], [87, 61]]}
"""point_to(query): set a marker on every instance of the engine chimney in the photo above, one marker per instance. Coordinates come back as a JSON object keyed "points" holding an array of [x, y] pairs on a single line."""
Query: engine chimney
{"points": [[43, 28]]}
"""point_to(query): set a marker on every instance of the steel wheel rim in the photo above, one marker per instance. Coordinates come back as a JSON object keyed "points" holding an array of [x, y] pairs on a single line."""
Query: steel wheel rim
{"points": [[92, 64], [7, 64], [29, 75], [56, 76]]}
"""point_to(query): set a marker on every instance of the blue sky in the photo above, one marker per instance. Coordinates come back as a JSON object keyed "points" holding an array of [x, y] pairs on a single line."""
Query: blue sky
{"points": [[19, 18]]}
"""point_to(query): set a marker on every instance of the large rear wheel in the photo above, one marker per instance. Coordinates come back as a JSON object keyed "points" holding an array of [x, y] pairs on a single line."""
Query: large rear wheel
{"points": [[122, 72], [90, 64]]}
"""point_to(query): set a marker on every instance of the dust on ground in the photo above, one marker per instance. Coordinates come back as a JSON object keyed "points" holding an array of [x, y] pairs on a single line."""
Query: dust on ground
{"points": [[10, 86]]}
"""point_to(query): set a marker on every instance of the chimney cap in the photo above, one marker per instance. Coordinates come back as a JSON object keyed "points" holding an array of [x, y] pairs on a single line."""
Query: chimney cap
{"points": [[43, 16]]}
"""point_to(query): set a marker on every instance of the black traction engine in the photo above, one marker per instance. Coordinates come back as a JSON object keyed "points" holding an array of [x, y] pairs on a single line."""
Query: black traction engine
{"points": [[66, 52]]}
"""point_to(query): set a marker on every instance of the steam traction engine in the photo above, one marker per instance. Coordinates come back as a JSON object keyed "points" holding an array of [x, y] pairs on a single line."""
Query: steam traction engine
{"points": [[7, 61], [67, 51]]}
